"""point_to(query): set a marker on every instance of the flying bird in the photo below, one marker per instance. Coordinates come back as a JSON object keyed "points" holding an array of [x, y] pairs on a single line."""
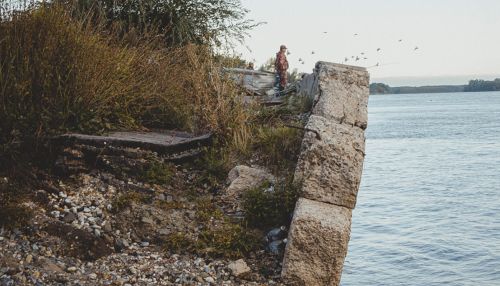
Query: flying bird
{"points": [[312, 53], [325, 32], [378, 64], [363, 54], [416, 48], [365, 58], [357, 58], [378, 49], [400, 40], [355, 34]]}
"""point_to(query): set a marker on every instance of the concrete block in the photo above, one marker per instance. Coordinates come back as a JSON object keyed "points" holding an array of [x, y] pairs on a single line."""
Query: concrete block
{"points": [[331, 162], [343, 94], [317, 245]]}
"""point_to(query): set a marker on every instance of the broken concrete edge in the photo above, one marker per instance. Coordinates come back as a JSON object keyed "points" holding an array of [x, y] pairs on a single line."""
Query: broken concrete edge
{"points": [[106, 141], [330, 166], [339, 66], [320, 229], [344, 107]]}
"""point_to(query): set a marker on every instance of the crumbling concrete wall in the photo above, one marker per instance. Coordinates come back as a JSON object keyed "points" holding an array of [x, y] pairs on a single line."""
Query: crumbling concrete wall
{"points": [[329, 168]]}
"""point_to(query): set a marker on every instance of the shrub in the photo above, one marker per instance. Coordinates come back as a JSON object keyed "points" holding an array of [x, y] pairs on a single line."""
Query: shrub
{"points": [[207, 22], [58, 75], [270, 208], [219, 237], [229, 240]]}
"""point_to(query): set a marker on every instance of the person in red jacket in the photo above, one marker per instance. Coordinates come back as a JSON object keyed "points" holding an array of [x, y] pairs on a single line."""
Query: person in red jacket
{"points": [[281, 66]]}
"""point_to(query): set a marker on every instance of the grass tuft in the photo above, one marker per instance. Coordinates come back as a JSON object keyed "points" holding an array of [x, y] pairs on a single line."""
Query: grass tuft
{"points": [[279, 146], [270, 208], [126, 200], [158, 173]]}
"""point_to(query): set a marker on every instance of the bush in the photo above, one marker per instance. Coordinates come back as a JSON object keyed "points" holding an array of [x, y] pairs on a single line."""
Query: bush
{"points": [[58, 75], [270, 208], [229, 240], [207, 22], [219, 237]]}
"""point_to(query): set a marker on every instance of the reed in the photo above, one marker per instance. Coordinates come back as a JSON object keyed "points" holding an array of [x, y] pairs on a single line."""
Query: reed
{"points": [[61, 74]]}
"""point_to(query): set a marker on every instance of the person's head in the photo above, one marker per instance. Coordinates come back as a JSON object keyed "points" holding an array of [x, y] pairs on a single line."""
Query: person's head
{"points": [[282, 48]]}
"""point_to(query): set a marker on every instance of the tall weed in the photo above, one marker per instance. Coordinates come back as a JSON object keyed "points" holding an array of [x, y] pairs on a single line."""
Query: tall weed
{"points": [[60, 75]]}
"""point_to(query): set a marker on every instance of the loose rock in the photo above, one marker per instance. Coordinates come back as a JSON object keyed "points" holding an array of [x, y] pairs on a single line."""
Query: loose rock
{"points": [[239, 267]]}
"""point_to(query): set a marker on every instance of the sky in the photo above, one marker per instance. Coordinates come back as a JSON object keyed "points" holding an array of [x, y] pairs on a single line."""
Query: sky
{"points": [[457, 39]]}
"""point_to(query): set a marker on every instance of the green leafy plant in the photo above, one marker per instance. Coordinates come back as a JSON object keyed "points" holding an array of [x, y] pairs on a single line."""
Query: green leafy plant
{"points": [[265, 207], [158, 173]]}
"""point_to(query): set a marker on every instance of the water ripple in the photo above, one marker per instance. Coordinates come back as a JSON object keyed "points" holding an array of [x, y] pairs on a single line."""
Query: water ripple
{"points": [[428, 210]]}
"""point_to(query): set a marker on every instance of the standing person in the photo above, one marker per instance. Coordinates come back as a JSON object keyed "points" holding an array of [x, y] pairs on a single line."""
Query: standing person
{"points": [[281, 66]]}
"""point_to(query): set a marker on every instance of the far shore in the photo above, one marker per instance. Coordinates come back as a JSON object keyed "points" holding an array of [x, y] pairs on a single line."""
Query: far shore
{"points": [[473, 86]]}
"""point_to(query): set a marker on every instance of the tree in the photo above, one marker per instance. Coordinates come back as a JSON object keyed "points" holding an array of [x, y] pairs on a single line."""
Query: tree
{"points": [[268, 65], [483, 85], [207, 22], [379, 88]]}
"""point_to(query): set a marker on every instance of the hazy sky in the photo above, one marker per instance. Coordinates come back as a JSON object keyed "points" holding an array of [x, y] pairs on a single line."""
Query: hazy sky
{"points": [[455, 37]]}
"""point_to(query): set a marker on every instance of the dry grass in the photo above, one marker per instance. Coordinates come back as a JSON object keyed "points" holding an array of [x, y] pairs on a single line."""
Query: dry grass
{"points": [[58, 74]]}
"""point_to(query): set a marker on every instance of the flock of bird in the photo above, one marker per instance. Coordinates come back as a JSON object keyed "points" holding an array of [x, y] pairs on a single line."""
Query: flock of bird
{"points": [[355, 58]]}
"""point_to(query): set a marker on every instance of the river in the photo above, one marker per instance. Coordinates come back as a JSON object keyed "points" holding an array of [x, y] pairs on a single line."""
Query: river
{"points": [[428, 210]]}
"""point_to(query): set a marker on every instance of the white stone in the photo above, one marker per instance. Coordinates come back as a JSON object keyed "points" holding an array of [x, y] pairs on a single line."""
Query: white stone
{"points": [[242, 179], [239, 267], [210, 280]]}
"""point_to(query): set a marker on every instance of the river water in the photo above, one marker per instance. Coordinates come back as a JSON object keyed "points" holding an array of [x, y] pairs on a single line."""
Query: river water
{"points": [[428, 210]]}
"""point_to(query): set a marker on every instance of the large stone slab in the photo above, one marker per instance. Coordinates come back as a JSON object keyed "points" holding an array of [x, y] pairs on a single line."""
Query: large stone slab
{"points": [[317, 244], [163, 142], [331, 162], [343, 94]]}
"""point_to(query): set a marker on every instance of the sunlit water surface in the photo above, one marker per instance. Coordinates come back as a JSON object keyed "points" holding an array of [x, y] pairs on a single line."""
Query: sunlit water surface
{"points": [[428, 210]]}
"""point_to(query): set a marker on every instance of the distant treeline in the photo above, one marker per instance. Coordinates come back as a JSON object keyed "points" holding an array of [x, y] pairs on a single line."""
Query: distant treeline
{"points": [[483, 85], [473, 86]]}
